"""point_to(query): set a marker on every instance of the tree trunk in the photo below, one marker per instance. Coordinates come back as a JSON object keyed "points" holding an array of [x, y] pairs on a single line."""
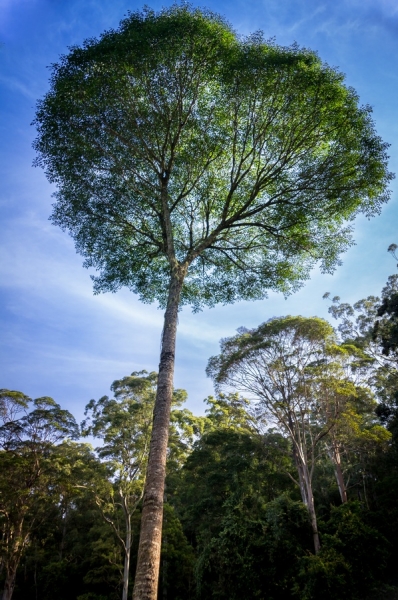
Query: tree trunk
{"points": [[16, 543], [9, 584], [307, 495], [62, 544], [308, 499], [334, 455], [313, 519], [127, 557], [148, 562]]}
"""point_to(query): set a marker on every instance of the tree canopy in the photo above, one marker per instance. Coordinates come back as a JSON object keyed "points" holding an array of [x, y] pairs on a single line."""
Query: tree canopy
{"points": [[29, 471], [234, 526], [173, 139]]}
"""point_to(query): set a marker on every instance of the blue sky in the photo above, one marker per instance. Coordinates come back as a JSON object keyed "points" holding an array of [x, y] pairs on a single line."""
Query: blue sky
{"points": [[58, 339]]}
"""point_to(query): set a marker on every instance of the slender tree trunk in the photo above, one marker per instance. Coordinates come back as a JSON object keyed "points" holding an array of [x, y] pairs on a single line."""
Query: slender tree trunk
{"points": [[16, 543], [364, 491], [307, 495], [62, 544], [127, 557], [299, 468], [308, 499], [148, 562], [9, 584], [334, 455], [312, 513]]}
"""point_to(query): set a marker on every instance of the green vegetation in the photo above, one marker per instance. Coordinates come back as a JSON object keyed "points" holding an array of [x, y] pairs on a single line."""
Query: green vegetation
{"points": [[315, 437], [195, 166]]}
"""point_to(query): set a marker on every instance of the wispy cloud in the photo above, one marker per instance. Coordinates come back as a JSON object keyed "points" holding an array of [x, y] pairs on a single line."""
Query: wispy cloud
{"points": [[361, 16], [51, 272], [307, 18], [16, 85]]}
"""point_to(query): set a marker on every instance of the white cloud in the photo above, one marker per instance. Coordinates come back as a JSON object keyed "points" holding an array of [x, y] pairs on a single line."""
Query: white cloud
{"points": [[16, 85]]}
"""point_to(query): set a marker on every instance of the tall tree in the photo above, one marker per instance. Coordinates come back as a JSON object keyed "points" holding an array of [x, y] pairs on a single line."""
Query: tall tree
{"points": [[347, 409], [372, 325], [124, 424], [29, 429], [197, 167], [277, 364]]}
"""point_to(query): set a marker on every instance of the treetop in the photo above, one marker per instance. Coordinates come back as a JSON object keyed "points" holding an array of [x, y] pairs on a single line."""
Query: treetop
{"points": [[177, 145]]}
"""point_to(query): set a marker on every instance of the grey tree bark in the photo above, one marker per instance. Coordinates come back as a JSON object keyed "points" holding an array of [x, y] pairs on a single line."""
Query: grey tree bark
{"points": [[9, 584], [311, 510], [307, 497], [127, 554], [305, 484], [147, 573], [334, 455]]}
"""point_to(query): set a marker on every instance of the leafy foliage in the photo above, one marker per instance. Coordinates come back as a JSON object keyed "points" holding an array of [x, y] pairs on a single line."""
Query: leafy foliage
{"points": [[30, 471], [234, 525], [172, 139], [195, 167]]}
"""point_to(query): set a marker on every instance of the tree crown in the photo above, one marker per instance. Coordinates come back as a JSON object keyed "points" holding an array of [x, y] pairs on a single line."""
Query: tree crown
{"points": [[175, 144]]}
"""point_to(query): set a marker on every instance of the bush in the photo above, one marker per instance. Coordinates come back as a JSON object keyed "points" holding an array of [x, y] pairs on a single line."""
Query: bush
{"points": [[350, 563]]}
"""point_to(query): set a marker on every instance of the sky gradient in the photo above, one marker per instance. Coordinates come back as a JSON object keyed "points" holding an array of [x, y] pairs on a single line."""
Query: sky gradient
{"points": [[57, 339]]}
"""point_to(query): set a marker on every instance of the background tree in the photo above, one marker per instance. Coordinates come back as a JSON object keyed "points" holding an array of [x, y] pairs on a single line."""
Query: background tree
{"points": [[124, 424], [282, 364], [345, 408], [230, 411], [70, 550], [29, 429], [371, 324], [91, 564], [233, 523], [351, 562], [235, 509], [197, 167]]}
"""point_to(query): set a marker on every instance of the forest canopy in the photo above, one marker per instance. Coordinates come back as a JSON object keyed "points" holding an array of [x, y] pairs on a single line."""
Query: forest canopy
{"points": [[307, 426], [197, 166]]}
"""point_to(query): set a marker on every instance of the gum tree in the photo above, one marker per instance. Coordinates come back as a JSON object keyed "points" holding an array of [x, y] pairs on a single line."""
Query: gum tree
{"points": [[303, 381], [196, 167], [124, 425], [31, 432], [274, 364]]}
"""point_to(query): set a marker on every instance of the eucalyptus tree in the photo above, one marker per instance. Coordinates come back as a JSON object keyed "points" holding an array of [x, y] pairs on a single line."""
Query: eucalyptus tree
{"points": [[371, 324], [123, 423], [196, 167], [277, 365], [29, 471], [346, 408]]}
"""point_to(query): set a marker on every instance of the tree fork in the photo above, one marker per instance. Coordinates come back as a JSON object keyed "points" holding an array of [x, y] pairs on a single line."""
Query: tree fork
{"points": [[147, 573]]}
